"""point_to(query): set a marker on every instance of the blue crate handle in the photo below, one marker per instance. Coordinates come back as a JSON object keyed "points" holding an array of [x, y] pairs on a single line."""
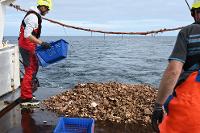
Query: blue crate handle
{"points": [[51, 42]]}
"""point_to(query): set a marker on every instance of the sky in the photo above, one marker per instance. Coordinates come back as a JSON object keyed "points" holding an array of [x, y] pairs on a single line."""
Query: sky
{"points": [[108, 15]]}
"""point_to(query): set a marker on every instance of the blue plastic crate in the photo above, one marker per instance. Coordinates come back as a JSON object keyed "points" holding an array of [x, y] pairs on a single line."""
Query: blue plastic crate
{"points": [[57, 52], [75, 125]]}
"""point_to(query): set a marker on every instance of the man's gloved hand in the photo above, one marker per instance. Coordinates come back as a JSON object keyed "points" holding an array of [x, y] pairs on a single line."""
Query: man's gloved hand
{"points": [[46, 45], [157, 116]]}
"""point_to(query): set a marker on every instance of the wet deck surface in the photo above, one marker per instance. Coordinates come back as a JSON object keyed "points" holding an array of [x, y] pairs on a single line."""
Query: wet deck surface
{"points": [[41, 121], [28, 121], [38, 120]]}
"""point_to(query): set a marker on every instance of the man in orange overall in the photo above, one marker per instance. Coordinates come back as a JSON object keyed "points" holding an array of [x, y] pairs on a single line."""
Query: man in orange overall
{"points": [[182, 79], [28, 39]]}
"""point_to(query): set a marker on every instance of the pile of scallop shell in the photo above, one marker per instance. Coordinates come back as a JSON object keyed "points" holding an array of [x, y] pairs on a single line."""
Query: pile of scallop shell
{"points": [[127, 103]]}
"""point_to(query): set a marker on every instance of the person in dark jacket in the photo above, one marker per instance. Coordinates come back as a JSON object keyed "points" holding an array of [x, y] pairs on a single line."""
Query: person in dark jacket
{"points": [[181, 80]]}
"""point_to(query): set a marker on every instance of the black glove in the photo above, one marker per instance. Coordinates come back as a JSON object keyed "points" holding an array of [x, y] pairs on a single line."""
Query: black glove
{"points": [[46, 45], [157, 116]]}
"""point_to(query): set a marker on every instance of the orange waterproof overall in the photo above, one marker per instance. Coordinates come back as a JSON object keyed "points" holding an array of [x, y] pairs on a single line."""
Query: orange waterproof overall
{"points": [[184, 108]]}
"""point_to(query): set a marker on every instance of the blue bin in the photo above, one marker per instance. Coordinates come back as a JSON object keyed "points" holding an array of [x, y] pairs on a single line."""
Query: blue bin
{"points": [[57, 52], [75, 125]]}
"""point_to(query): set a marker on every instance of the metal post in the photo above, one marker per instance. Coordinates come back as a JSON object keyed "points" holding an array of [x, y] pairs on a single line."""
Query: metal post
{"points": [[91, 33], [2, 16], [3, 4]]}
